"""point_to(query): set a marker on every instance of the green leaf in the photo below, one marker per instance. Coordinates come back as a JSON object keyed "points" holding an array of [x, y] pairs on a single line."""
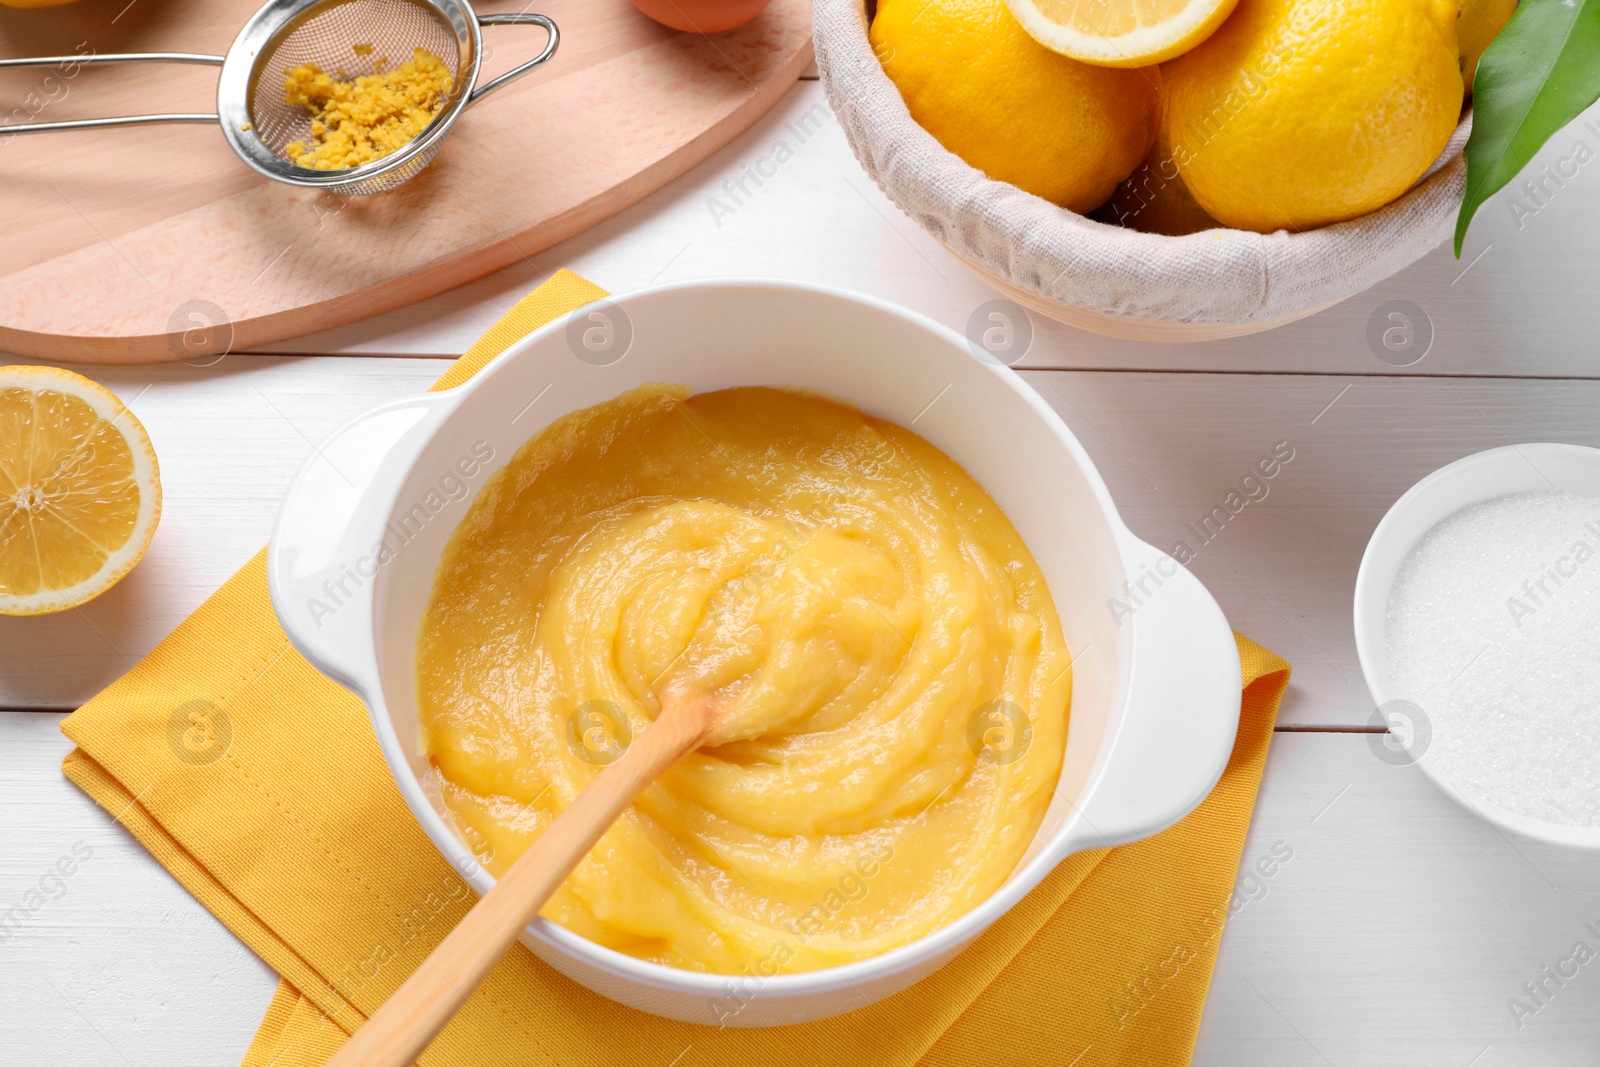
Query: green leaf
{"points": [[1539, 74]]}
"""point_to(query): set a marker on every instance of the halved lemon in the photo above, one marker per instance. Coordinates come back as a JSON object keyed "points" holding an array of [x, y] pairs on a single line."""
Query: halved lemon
{"points": [[1120, 33], [80, 493]]}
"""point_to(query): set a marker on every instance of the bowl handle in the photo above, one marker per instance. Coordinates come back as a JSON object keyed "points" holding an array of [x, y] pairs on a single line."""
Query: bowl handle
{"points": [[1182, 709], [330, 538]]}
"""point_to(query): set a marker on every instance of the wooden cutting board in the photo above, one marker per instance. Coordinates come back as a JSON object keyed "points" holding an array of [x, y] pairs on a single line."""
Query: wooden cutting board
{"points": [[154, 243]]}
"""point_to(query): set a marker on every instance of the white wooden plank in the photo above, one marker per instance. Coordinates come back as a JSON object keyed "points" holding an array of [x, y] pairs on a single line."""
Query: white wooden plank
{"points": [[1171, 446], [118, 965], [1395, 933], [1398, 930], [1523, 308]]}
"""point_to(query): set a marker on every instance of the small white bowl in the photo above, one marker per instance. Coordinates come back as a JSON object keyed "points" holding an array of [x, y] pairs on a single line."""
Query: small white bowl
{"points": [[1483, 476], [1155, 701]]}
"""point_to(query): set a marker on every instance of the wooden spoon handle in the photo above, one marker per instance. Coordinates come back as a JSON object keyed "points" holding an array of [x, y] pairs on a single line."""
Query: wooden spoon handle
{"points": [[398, 1031]]}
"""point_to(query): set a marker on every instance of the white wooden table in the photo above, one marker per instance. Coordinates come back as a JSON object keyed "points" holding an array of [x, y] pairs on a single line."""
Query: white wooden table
{"points": [[1401, 926]]}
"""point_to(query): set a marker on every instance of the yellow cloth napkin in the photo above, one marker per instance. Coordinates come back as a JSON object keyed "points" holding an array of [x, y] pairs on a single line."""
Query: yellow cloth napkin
{"points": [[258, 784]]}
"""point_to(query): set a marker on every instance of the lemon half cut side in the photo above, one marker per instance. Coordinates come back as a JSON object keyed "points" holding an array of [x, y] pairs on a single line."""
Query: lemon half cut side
{"points": [[1120, 33], [80, 492]]}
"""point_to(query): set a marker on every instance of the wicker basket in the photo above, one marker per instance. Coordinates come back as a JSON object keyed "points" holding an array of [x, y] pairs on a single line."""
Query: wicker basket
{"points": [[1095, 276]]}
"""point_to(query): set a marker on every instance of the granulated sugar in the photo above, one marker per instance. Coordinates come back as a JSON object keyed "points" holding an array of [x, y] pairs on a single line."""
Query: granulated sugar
{"points": [[1494, 631]]}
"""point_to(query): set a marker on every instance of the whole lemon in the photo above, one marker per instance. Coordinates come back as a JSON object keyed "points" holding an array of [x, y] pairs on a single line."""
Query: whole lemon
{"points": [[1298, 113], [1480, 21], [971, 76], [1154, 199]]}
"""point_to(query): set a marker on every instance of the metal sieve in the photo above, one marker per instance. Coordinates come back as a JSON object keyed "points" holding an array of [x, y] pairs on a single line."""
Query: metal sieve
{"points": [[258, 121]]}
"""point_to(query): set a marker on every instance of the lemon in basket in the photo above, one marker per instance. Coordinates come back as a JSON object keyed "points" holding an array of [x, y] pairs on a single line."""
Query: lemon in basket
{"points": [[1121, 33], [1480, 21], [991, 94], [80, 493], [1154, 199], [1299, 113]]}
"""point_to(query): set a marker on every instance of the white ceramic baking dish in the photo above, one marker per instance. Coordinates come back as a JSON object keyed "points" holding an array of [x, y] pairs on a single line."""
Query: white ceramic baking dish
{"points": [[1155, 698]]}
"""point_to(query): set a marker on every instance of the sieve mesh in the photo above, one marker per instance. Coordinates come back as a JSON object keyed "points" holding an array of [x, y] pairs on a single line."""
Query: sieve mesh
{"points": [[326, 35]]}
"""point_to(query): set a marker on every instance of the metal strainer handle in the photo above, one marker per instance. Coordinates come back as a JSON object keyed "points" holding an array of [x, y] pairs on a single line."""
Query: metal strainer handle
{"points": [[125, 120], [512, 75]]}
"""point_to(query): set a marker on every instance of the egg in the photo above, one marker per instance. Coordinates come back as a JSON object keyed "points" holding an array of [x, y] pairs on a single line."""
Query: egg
{"points": [[701, 16]]}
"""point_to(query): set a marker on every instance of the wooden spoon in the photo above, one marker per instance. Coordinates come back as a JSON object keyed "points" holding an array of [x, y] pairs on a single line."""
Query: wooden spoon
{"points": [[399, 1030]]}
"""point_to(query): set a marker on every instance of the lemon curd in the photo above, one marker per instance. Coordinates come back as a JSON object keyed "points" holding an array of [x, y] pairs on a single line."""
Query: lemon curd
{"points": [[895, 676]]}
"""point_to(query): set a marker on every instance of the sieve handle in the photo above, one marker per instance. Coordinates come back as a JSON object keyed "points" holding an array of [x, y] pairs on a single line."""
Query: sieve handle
{"points": [[521, 19], [116, 57]]}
